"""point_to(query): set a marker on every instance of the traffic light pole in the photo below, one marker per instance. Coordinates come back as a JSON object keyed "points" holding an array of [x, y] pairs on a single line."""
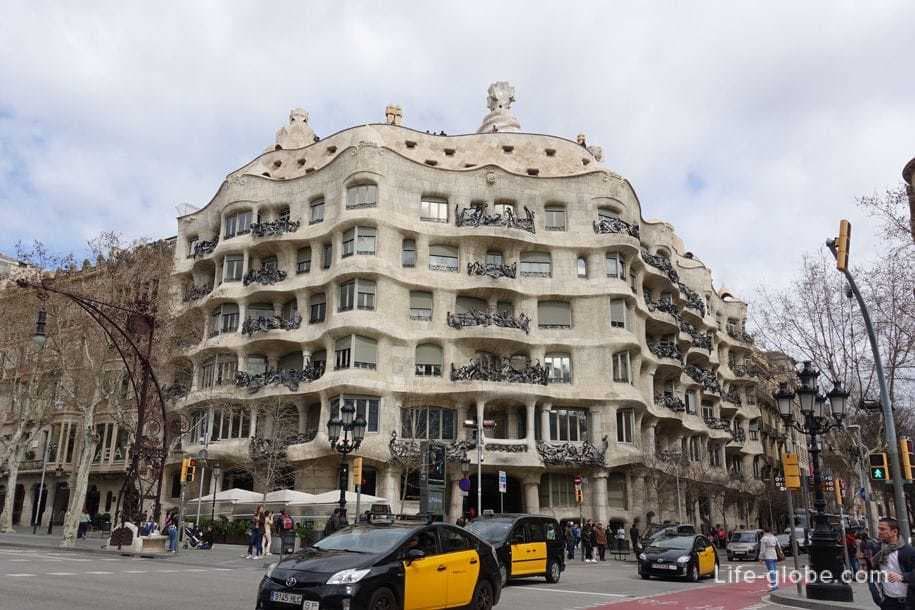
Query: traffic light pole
{"points": [[902, 513], [181, 514]]}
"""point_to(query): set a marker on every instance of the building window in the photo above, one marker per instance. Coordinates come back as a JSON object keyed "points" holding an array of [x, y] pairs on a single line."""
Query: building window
{"points": [[618, 313], [606, 214], [505, 308], [581, 267], [356, 351], [754, 430], [230, 423], [559, 367], [318, 307], [494, 257], [420, 305], [346, 296], [691, 401], [238, 223], [708, 411], [359, 293], [228, 317], [327, 255], [503, 208], [433, 423], [408, 253], [256, 364], [536, 264], [557, 490], [319, 360], [569, 425], [269, 262], [429, 360], [303, 260], [443, 258], [625, 422], [695, 449], [232, 268], [364, 196], [433, 210], [317, 211], [259, 310], [358, 240], [470, 304], [554, 314], [616, 265], [621, 367], [554, 218], [366, 408], [343, 351], [714, 455]]}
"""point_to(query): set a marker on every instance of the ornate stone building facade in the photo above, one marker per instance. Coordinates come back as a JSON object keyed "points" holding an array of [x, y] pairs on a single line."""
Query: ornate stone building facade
{"points": [[431, 279]]}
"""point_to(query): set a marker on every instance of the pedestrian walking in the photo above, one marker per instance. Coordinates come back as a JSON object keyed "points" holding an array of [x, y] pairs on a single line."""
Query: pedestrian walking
{"points": [[851, 545], [635, 537], [268, 532], [620, 539], [722, 537], [895, 560], [254, 539], [587, 542], [600, 540], [568, 535], [170, 527], [768, 552]]}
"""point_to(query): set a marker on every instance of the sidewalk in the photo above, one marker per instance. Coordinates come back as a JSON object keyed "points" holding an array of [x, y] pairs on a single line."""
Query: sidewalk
{"points": [[219, 555], [787, 596]]}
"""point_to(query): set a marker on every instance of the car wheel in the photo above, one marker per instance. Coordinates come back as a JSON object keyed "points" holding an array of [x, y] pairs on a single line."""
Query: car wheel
{"points": [[692, 574], [382, 599], [730, 557], [645, 575], [483, 597], [503, 572], [552, 571]]}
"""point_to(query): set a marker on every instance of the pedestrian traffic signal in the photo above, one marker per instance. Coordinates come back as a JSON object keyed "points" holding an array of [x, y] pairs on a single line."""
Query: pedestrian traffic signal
{"points": [[906, 458], [191, 470], [843, 243], [878, 466]]}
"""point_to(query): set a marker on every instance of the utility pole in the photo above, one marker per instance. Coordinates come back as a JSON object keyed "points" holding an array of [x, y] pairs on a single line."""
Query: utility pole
{"points": [[840, 250]]}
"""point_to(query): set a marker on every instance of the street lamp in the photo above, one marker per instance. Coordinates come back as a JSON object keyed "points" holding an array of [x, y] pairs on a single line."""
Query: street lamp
{"points": [[818, 418], [345, 434]]}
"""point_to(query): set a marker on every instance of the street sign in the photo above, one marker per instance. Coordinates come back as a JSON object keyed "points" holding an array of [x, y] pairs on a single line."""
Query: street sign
{"points": [[357, 471], [503, 482], [578, 480], [464, 484]]}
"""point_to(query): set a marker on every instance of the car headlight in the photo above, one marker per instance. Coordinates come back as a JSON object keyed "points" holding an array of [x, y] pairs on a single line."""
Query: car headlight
{"points": [[270, 569], [643, 556], [347, 577], [683, 559]]}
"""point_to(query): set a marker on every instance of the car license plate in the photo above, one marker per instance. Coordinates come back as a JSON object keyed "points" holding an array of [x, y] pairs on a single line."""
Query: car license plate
{"points": [[663, 566], [311, 606], [291, 598]]}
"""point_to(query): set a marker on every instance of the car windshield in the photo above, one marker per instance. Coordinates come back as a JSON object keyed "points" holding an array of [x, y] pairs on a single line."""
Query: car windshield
{"points": [[364, 540], [677, 542], [490, 531], [744, 537]]}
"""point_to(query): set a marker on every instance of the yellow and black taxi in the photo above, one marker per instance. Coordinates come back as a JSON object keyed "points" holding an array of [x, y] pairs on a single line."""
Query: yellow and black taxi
{"points": [[526, 545], [692, 557], [409, 566]]}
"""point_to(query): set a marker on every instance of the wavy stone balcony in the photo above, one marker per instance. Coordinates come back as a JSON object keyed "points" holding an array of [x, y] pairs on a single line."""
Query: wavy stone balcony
{"points": [[265, 276], [506, 372], [476, 216], [204, 247], [608, 226], [291, 378], [663, 265], [743, 370], [261, 324], [492, 270], [196, 292], [740, 335], [275, 228], [670, 401], [662, 306], [500, 319], [700, 341], [692, 298], [705, 377], [666, 349]]}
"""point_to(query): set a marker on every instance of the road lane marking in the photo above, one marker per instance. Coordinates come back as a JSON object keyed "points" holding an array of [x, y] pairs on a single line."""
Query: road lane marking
{"points": [[568, 591], [20, 575], [135, 572], [61, 573], [100, 573]]}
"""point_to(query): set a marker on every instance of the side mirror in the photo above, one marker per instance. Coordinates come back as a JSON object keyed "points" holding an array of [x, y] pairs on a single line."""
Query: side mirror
{"points": [[414, 554]]}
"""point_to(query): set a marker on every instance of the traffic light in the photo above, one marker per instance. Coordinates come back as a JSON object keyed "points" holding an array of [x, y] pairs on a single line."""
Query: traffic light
{"points": [[184, 462], [843, 243], [840, 491], [906, 458], [579, 496], [191, 470], [878, 466]]}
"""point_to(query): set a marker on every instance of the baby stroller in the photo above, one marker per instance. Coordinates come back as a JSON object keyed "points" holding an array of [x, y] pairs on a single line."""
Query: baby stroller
{"points": [[193, 536]]}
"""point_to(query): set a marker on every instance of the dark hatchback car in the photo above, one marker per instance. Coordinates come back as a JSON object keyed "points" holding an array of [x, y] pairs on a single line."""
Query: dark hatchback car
{"points": [[526, 545], [386, 567], [692, 557]]}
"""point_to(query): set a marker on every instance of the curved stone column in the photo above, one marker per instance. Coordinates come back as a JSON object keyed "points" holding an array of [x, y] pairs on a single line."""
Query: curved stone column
{"points": [[599, 493]]}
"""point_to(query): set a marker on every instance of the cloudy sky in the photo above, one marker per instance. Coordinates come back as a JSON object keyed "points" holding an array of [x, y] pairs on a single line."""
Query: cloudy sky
{"points": [[750, 126]]}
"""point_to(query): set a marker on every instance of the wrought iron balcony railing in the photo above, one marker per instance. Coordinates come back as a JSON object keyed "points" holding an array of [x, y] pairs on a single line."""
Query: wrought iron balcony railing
{"points": [[663, 264], [693, 300], [707, 378], [666, 349], [662, 306], [276, 227], [501, 319], [605, 225], [740, 334], [504, 372], [743, 370], [175, 391], [420, 313], [670, 401], [732, 395], [716, 423], [196, 292], [291, 378], [262, 324], [204, 247], [492, 270], [476, 216], [700, 340], [573, 454], [264, 276]]}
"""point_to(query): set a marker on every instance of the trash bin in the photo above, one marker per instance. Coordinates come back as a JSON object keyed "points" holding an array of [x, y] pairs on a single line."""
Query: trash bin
{"points": [[288, 542]]}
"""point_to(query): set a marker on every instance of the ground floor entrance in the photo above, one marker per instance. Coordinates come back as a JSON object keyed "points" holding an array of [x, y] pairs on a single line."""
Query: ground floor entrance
{"points": [[509, 502]]}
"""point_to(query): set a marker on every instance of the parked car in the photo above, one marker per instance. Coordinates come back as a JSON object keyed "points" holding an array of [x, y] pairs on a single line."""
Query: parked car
{"points": [[526, 545], [744, 544], [691, 557]]}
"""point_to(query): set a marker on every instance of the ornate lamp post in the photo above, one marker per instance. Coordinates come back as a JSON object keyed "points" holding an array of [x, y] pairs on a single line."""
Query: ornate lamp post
{"points": [[345, 434], [819, 417]]}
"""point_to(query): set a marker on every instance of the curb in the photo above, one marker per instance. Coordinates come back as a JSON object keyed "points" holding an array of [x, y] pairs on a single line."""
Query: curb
{"points": [[98, 551], [811, 604]]}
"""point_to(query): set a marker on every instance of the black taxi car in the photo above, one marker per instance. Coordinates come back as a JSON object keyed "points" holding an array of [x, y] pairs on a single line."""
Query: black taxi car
{"points": [[409, 566], [526, 545], [679, 556]]}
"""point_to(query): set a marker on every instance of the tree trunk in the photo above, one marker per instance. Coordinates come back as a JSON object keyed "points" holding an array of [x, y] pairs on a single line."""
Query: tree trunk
{"points": [[6, 518], [78, 498]]}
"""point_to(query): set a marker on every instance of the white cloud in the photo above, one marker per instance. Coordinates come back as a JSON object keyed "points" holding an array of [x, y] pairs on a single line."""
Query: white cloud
{"points": [[785, 112]]}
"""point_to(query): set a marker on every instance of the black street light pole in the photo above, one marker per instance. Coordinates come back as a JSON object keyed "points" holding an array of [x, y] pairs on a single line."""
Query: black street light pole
{"points": [[345, 434], [826, 558]]}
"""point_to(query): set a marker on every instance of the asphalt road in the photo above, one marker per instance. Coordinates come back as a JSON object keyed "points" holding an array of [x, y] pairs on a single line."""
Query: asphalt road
{"points": [[34, 579]]}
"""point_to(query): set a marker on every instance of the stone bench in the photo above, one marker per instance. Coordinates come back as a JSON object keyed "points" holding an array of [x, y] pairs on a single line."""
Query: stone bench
{"points": [[154, 543]]}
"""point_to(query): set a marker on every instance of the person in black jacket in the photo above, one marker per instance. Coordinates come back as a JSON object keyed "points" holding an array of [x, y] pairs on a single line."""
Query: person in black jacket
{"points": [[895, 560]]}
